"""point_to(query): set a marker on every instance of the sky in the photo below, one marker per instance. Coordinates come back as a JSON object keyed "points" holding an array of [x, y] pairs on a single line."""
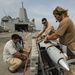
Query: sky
{"points": [[37, 9]]}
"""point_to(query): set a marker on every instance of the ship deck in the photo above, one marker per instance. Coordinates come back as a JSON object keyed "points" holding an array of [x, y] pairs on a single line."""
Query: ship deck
{"points": [[4, 37]]}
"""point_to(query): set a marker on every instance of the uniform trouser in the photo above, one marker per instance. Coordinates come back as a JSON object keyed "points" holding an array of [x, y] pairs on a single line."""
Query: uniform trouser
{"points": [[14, 63], [72, 70]]}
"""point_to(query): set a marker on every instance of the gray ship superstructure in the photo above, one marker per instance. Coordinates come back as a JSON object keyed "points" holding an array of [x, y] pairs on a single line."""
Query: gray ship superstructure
{"points": [[20, 23]]}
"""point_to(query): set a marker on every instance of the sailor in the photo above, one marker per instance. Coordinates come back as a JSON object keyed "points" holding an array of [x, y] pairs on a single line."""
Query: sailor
{"points": [[21, 41], [46, 30], [11, 54], [65, 33]]}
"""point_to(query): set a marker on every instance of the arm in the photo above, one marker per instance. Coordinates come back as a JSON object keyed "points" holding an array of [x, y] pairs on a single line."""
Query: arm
{"points": [[22, 48], [12, 50], [25, 50], [51, 37], [19, 55], [48, 30], [42, 30]]}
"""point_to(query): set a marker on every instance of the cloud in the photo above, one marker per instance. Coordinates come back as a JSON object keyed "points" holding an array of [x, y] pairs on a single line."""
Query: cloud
{"points": [[8, 2], [36, 9]]}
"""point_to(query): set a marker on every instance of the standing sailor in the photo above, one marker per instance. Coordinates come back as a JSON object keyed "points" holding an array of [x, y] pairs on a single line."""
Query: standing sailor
{"points": [[65, 33]]}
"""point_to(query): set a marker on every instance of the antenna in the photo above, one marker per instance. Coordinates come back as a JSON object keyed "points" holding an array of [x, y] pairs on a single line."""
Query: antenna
{"points": [[4, 11], [22, 4]]}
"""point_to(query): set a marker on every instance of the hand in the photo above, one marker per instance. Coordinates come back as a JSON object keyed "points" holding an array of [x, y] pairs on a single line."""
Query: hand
{"points": [[24, 57], [28, 51], [46, 40], [43, 36], [38, 39], [37, 36]]}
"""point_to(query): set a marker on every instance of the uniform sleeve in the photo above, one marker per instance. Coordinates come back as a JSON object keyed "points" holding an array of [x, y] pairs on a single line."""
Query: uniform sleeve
{"points": [[61, 29], [42, 30], [48, 30]]}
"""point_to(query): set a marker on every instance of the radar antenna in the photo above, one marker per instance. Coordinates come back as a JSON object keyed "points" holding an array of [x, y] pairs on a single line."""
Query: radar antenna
{"points": [[22, 4]]}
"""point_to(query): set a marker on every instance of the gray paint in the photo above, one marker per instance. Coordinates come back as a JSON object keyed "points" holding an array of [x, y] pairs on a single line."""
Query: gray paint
{"points": [[8, 23]]}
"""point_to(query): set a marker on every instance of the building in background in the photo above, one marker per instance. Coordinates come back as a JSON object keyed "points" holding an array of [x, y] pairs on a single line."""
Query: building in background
{"points": [[20, 23]]}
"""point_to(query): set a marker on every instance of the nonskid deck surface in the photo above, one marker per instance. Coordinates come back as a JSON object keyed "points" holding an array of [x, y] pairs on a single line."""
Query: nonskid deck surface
{"points": [[4, 37]]}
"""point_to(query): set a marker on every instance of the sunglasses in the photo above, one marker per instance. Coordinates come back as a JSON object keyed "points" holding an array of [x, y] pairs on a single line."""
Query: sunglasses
{"points": [[43, 22]]}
